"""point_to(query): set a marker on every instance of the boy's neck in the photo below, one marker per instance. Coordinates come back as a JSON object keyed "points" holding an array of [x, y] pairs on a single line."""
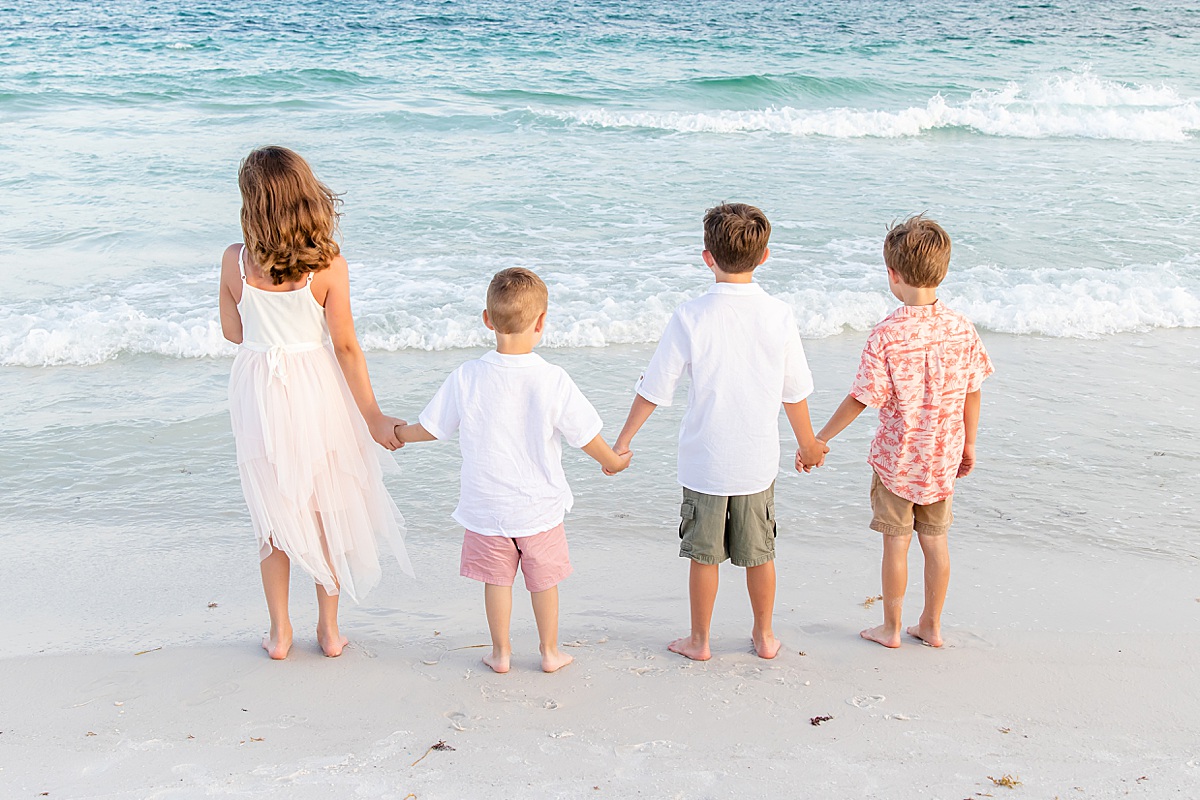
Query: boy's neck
{"points": [[515, 344], [918, 295], [722, 276], [910, 295]]}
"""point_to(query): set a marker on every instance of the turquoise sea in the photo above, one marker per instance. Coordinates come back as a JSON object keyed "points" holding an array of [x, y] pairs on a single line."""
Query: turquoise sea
{"points": [[1056, 141]]}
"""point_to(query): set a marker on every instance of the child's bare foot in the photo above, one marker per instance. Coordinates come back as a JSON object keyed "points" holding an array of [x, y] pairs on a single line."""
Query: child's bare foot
{"points": [[498, 660], [688, 647], [278, 643], [554, 660], [930, 636], [766, 646], [882, 635], [332, 642]]}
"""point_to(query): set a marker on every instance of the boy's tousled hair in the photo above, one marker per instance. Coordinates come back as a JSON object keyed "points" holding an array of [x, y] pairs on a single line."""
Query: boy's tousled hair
{"points": [[736, 234], [289, 218], [918, 250], [515, 298]]}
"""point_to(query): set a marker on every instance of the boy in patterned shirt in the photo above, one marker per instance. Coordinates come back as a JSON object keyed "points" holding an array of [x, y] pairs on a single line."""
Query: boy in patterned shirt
{"points": [[922, 367]]}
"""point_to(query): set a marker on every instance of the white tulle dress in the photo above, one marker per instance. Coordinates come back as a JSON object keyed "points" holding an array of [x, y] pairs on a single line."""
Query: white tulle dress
{"points": [[311, 472]]}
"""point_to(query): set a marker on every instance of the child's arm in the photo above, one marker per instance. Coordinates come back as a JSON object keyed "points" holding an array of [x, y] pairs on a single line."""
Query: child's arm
{"points": [[846, 413], [971, 424], [811, 453], [231, 320], [610, 461], [349, 353], [407, 434], [639, 412]]}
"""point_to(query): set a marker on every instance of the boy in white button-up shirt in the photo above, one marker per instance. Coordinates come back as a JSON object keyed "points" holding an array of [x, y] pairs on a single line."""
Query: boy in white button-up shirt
{"points": [[511, 410], [742, 350]]}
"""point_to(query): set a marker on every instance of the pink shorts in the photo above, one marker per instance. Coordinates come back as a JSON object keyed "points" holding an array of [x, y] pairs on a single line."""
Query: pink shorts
{"points": [[493, 559]]}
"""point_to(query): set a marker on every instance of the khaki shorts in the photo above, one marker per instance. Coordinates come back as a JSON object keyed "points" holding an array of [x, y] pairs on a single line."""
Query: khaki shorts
{"points": [[740, 528], [896, 516]]}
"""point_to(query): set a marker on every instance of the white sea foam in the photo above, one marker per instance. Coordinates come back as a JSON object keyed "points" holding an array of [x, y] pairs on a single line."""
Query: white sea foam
{"points": [[599, 308], [1076, 106]]}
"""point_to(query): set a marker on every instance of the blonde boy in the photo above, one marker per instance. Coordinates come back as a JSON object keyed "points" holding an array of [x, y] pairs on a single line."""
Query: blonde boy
{"points": [[511, 409], [922, 367], [742, 350]]}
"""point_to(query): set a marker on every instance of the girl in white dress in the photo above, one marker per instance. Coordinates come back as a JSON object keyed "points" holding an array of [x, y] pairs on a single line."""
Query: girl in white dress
{"points": [[300, 399]]}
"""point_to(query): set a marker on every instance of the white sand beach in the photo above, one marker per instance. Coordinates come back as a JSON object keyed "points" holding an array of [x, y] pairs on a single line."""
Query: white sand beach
{"points": [[131, 667]]}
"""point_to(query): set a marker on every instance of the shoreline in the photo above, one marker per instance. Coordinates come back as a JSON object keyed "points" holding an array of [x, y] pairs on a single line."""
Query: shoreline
{"points": [[1058, 700]]}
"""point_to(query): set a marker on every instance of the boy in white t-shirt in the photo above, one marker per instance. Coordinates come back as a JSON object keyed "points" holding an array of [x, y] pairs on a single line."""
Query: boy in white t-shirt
{"points": [[742, 350], [511, 408]]}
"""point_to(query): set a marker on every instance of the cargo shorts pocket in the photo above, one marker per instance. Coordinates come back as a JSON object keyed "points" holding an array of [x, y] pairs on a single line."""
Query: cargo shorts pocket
{"points": [[687, 518], [771, 518]]}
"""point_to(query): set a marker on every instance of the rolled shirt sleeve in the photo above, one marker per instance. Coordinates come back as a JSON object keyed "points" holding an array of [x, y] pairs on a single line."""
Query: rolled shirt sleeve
{"points": [[981, 365], [667, 366], [872, 385], [578, 421], [797, 377], [443, 415]]}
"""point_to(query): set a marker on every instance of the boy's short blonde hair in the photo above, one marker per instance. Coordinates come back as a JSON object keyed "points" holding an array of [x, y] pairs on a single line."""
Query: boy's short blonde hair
{"points": [[918, 250], [736, 234], [515, 298]]}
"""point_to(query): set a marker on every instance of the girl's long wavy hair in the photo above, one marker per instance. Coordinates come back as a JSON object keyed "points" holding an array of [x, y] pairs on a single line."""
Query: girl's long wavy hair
{"points": [[289, 218]]}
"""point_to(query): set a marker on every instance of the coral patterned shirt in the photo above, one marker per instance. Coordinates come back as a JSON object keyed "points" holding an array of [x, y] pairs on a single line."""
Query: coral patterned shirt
{"points": [[917, 368]]}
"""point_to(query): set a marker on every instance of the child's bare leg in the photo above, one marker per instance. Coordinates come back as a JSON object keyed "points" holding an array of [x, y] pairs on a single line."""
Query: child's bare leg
{"points": [[497, 601], [545, 612], [328, 636], [760, 583], [276, 572], [702, 595], [895, 581], [937, 580]]}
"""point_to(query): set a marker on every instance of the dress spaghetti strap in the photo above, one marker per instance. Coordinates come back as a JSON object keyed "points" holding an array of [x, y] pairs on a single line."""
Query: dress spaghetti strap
{"points": [[242, 262]]}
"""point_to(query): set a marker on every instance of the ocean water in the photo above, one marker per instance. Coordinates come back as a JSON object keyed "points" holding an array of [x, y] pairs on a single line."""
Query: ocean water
{"points": [[1057, 142]]}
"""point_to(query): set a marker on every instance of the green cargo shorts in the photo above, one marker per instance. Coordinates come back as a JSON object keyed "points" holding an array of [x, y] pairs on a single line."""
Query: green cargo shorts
{"points": [[740, 528]]}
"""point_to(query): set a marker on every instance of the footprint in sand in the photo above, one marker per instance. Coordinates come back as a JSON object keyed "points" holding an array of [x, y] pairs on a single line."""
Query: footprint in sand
{"points": [[119, 684], [213, 693], [658, 747], [368, 652], [866, 700]]}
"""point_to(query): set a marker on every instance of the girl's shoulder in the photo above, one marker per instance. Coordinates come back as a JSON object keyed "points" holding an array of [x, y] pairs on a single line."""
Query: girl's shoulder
{"points": [[337, 264], [338, 272], [231, 260]]}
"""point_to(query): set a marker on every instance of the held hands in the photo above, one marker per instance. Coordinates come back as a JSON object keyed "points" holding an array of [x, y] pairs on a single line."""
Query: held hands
{"points": [[968, 461], [624, 455], [383, 431], [811, 456]]}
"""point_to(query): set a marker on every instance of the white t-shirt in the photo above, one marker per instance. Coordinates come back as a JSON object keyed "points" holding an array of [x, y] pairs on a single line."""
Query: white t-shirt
{"points": [[742, 349], [510, 412]]}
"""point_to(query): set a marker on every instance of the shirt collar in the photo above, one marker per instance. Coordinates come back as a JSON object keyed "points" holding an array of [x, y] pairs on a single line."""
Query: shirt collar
{"points": [[735, 288], [511, 359], [919, 311]]}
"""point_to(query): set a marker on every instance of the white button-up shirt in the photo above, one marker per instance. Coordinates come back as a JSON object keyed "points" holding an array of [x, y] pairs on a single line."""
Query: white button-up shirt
{"points": [[511, 413], [742, 350]]}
